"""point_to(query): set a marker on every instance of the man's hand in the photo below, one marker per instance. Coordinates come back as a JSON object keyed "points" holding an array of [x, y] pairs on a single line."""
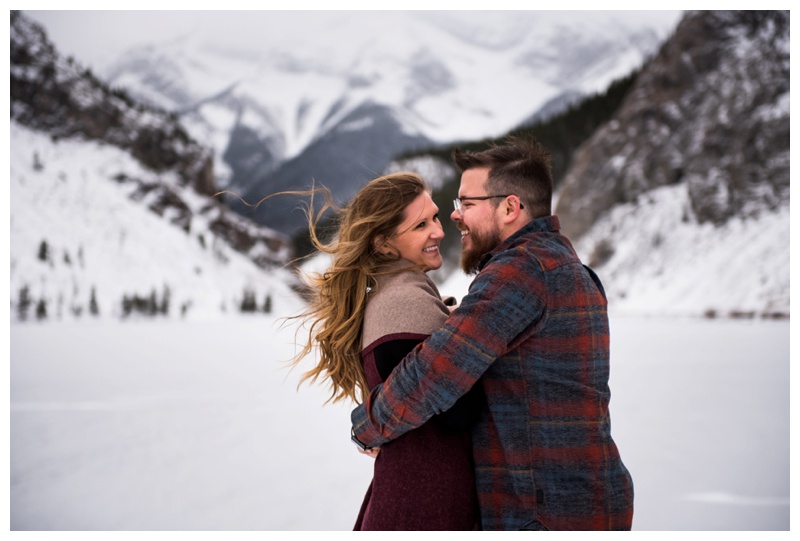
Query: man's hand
{"points": [[372, 452]]}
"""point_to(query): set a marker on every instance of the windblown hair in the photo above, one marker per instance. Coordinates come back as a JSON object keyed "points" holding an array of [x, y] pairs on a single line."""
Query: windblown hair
{"points": [[518, 166], [336, 311]]}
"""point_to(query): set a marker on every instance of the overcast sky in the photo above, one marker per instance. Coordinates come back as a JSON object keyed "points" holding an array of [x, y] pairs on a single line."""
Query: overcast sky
{"points": [[96, 38]]}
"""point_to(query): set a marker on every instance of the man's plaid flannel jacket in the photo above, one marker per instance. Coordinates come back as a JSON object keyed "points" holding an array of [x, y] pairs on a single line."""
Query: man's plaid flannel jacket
{"points": [[533, 331]]}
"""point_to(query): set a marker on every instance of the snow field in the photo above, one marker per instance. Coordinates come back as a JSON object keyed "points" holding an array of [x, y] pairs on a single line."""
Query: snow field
{"points": [[198, 425]]}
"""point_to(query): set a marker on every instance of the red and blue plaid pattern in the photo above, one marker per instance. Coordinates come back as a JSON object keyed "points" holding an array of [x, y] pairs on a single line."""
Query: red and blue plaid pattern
{"points": [[533, 331]]}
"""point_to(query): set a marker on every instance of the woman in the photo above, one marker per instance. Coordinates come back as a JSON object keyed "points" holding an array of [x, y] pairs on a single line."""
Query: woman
{"points": [[371, 307]]}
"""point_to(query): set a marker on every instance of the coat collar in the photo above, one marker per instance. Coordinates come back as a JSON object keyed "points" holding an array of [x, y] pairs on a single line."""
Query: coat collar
{"points": [[545, 224]]}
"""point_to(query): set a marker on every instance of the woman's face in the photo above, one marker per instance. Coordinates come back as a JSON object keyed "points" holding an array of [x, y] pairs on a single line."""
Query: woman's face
{"points": [[418, 236]]}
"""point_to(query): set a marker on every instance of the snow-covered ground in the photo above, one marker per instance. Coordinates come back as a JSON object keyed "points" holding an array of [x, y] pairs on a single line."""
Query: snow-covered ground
{"points": [[198, 425]]}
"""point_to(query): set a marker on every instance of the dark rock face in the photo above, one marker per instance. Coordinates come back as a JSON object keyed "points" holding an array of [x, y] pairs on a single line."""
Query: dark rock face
{"points": [[711, 111], [370, 136], [58, 96]]}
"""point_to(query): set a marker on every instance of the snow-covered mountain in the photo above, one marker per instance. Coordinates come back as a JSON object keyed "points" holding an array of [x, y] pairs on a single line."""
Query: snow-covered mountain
{"points": [[369, 85], [110, 212], [695, 163], [681, 201]]}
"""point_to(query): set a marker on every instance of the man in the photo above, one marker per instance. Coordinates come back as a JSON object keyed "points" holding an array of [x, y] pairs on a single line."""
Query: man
{"points": [[533, 332]]}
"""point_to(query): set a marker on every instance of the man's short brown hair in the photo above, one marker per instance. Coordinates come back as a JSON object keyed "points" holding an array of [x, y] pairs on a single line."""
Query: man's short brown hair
{"points": [[519, 166]]}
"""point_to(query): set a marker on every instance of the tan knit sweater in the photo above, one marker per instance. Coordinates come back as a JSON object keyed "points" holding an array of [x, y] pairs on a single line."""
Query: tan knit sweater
{"points": [[406, 302]]}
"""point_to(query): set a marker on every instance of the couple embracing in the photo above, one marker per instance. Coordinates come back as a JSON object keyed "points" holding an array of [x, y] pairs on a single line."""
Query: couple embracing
{"points": [[492, 414]]}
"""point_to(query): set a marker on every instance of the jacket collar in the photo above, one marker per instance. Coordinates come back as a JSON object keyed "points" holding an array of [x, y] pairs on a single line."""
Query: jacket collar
{"points": [[545, 224]]}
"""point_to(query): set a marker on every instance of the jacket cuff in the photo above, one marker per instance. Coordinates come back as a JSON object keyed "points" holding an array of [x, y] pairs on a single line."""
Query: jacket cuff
{"points": [[363, 430]]}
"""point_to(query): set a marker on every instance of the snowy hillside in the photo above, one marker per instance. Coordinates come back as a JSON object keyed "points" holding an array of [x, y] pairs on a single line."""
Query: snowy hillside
{"points": [[663, 262], [665, 265], [76, 235]]}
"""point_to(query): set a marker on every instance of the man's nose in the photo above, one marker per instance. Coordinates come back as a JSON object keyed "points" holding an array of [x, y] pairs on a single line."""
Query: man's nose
{"points": [[455, 216]]}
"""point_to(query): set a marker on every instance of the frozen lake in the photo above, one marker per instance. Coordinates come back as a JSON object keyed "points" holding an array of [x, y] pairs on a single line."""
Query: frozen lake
{"points": [[196, 425]]}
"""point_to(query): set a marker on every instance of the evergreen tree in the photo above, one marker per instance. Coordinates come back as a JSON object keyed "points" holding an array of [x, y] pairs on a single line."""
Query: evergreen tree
{"points": [[44, 252], [41, 309], [152, 306], [248, 301], [24, 303], [268, 304], [164, 306], [93, 308]]}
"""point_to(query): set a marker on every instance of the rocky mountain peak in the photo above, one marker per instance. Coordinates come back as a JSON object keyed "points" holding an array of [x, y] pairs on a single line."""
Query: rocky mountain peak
{"points": [[710, 111]]}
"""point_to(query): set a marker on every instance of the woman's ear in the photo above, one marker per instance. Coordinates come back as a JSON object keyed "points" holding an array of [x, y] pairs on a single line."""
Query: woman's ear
{"points": [[382, 246]]}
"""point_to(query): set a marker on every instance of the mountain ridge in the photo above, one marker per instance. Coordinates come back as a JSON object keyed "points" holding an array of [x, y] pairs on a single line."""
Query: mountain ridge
{"points": [[425, 82]]}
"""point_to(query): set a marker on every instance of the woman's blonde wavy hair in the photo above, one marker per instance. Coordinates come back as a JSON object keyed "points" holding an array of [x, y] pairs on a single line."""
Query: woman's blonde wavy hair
{"points": [[336, 311]]}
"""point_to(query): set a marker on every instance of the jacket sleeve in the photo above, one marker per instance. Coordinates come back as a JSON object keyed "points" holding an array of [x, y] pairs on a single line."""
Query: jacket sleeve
{"points": [[459, 417], [505, 304]]}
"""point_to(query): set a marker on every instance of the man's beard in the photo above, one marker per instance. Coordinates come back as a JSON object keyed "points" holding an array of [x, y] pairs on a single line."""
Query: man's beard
{"points": [[482, 244]]}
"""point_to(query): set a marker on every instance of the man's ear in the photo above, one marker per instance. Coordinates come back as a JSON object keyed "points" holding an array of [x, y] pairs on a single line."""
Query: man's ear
{"points": [[511, 208]]}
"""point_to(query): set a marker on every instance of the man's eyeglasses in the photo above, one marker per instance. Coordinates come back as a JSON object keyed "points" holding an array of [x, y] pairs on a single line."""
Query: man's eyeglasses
{"points": [[457, 201]]}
